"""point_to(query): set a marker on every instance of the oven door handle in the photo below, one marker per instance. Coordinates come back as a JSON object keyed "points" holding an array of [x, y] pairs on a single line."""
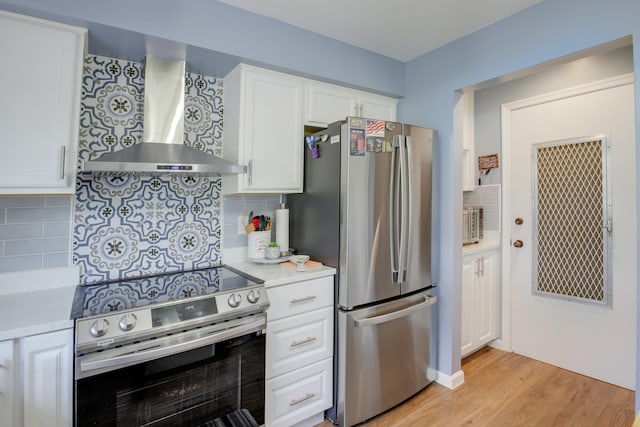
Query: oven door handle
{"points": [[112, 363]]}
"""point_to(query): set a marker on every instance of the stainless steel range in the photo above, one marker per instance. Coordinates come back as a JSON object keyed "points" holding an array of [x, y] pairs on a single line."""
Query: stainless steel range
{"points": [[181, 349]]}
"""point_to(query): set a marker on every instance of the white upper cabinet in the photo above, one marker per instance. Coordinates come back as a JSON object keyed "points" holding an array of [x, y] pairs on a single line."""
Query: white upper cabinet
{"points": [[40, 83], [327, 103], [464, 119], [376, 106], [263, 130]]}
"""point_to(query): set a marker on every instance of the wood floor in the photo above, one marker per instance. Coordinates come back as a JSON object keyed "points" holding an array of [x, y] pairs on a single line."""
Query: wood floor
{"points": [[506, 389]]}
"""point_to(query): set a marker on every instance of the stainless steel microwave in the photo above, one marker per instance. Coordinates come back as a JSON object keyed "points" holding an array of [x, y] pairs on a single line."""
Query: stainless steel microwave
{"points": [[471, 225]]}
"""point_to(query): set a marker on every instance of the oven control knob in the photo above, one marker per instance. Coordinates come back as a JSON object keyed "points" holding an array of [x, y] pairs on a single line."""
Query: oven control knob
{"points": [[127, 322], [234, 299], [253, 296], [99, 328]]}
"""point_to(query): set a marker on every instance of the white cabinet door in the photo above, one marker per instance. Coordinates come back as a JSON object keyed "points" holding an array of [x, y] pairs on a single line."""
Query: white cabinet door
{"points": [[47, 374], [263, 130], [40, 82], [487, 290], [7, 384], [464, 123], [468, 285], [329, 103], [480, 300], [377, 107]]}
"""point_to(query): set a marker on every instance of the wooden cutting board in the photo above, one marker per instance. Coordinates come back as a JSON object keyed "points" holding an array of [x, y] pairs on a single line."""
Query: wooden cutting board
{"points": [[311, 265]]}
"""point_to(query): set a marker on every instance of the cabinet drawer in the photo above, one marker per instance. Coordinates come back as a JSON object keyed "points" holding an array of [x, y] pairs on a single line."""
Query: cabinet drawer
{"points": [[299, 340], [301, 297], [300, 394]]}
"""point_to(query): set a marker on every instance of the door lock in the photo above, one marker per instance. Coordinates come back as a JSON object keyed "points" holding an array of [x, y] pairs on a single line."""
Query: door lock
{"points": [[518, 244]]}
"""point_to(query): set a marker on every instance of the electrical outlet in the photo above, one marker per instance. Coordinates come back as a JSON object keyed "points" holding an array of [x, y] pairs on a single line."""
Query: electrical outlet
{"points": [[241, 224]]}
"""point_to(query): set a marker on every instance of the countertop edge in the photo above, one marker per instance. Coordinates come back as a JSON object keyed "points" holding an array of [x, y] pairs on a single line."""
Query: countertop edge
{"points": [[480, 247], [275, 275], [37, 329]]}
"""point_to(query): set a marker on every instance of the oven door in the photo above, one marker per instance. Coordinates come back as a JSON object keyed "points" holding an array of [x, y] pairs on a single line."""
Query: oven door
{"points": [[219, 383]]}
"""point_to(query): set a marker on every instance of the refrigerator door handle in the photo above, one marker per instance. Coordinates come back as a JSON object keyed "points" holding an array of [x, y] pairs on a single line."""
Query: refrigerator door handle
{"points": [[394, 205], [404, 211], [369, 321]]}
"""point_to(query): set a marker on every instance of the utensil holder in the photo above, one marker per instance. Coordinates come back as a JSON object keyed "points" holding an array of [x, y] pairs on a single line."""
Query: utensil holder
{"points": [[258, 241]]}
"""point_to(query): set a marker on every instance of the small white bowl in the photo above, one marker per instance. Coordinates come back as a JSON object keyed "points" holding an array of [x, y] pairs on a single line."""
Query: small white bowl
{"points": [[299, 260]]}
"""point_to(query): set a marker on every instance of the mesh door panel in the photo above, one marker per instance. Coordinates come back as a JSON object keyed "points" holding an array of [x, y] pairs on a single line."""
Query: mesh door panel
{"points": [[570, 245]]}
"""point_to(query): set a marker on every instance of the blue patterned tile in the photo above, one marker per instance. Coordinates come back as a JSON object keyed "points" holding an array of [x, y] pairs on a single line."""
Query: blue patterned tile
{"points": [[127, 226]]}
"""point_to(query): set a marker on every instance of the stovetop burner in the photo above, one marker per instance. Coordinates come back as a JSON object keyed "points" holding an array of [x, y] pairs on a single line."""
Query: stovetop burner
{"points": [[132, 293]]}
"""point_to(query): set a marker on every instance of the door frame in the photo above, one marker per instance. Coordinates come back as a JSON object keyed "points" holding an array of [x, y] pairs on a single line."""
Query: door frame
{"points": [[504, 341]]}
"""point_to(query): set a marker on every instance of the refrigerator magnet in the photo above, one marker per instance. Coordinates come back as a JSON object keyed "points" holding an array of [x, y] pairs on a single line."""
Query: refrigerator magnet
{"points": [[356, 142], [375, 128], [375, 145]]}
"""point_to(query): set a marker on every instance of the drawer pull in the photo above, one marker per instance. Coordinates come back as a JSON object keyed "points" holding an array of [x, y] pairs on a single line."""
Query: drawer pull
{"points": [[302, 399], [303, 299], [305, 341]]}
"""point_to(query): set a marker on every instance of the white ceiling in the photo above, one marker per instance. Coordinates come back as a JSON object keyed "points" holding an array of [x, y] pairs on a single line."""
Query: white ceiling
{"points": [[399, 29]]}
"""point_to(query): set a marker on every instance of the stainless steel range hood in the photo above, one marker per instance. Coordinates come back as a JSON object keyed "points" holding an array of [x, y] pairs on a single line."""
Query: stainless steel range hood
{"points": [[162, 150]]}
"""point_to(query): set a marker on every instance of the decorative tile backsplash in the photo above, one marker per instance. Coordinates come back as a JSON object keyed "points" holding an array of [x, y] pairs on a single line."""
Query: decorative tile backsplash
{"points": [[126, 226]]}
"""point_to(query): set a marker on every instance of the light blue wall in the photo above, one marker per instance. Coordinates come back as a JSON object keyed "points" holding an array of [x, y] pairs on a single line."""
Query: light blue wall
{"points": [[547, 31]]}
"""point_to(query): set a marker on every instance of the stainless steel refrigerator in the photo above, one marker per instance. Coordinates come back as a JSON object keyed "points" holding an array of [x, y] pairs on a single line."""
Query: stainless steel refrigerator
{"points": [[366, 210]]}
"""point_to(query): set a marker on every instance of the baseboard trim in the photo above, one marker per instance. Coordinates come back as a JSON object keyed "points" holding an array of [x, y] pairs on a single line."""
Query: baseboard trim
{"points": [[450, 381]]}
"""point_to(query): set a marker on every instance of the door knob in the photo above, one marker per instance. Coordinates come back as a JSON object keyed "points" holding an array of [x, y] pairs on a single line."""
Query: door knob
{"points": [[518, 243]]}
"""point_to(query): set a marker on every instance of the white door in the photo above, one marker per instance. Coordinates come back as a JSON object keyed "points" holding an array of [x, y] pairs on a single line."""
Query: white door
{"points": [[586, 336]]}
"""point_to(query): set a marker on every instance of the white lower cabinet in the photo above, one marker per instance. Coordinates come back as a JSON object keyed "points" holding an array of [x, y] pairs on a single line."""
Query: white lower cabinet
{"points": [[7, 383], [299, 394], [299, 355], [36, 380], [480, 300]]}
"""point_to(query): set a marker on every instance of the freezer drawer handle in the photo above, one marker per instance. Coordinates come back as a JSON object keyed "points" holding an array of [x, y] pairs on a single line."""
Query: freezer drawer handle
{"points": [[368, 321], [302, 399], [304, 341], [303, 299]]}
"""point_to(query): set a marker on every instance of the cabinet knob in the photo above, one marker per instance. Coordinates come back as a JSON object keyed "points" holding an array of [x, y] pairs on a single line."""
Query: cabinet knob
{"points": [[519, 221], [518, 244]]}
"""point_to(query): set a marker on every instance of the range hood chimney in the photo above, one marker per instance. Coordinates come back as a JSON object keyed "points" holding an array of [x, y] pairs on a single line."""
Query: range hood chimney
{"points": [[162, 150]]}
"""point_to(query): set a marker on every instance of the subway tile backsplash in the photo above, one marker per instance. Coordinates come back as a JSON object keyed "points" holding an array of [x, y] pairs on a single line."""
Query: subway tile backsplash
{"points": [[487, 197], [238, 205], [34, 232]]}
